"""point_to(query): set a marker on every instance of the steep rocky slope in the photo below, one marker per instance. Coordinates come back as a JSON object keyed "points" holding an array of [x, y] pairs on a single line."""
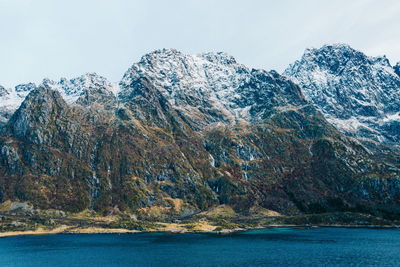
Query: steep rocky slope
{"points": [[185, 133], [11, 99], [358, 94]]}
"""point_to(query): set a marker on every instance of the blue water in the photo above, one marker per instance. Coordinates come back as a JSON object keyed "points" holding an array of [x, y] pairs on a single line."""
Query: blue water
{"points": [[268, 247]]}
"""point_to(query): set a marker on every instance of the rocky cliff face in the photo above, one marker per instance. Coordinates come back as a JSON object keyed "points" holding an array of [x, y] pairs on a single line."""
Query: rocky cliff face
{"points": [[11, 99], [360, 95], [397, 69], [192, 132]]}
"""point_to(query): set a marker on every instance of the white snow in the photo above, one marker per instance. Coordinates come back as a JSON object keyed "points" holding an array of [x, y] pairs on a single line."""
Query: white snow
{"points": [[354, 92], [70, 90], [391, 117], [211, 78], [350, 125], [11, 102]]}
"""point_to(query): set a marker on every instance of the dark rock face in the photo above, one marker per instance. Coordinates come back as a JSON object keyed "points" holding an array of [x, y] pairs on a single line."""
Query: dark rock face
{"points": [[100, 96], [358, 94], [3, 91], [33, 119], [3, 112], [397, 68], [25, 87], [200, 129]]}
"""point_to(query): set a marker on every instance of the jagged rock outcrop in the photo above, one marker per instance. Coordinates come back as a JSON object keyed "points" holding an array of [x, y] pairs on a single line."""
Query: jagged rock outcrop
{"points": [[397, 68], [198, 130], [3, 91], [360, 95], [11, 99], [3, 111]]}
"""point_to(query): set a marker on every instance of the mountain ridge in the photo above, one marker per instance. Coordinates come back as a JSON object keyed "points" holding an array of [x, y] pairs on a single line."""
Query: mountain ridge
{"points": [[199, 130]]}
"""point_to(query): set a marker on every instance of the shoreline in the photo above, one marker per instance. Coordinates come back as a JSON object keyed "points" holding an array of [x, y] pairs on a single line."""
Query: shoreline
{"points": [[101, 230]]}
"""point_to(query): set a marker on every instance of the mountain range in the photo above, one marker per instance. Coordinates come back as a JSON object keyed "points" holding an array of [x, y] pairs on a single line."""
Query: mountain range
{"points": [[181, 134]]}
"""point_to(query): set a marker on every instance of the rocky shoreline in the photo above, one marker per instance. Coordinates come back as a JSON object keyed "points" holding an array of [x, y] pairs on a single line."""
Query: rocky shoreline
{"points": [[97, 230], [23, 219]]}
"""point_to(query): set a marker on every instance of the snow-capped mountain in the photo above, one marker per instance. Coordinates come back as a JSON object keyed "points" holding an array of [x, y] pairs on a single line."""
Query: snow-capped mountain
{"points": [[72, 90], [211, 84], [83, 90], [358, 94], [198, 130]]}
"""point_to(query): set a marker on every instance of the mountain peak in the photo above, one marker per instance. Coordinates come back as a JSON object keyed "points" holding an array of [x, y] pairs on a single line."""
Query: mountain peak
{"points": [[25, 87], [336, 47], [87, 80], [189, 82], [160, 56], [164, 52], [355, 92], [211, 84], [72, 89], [219, 57], [34, 114], [173, 70], [331, 56], [171, 54]]}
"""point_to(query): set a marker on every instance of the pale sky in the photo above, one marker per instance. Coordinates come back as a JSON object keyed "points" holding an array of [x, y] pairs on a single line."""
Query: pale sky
{"points": [[67, 38]]}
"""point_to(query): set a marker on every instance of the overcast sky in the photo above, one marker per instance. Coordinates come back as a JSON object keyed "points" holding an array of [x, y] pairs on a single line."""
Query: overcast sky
{"points": [[54, 38]]}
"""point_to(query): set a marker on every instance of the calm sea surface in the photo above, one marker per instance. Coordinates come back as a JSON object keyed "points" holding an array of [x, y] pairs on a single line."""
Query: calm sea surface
{"points": [[270, 247]]}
